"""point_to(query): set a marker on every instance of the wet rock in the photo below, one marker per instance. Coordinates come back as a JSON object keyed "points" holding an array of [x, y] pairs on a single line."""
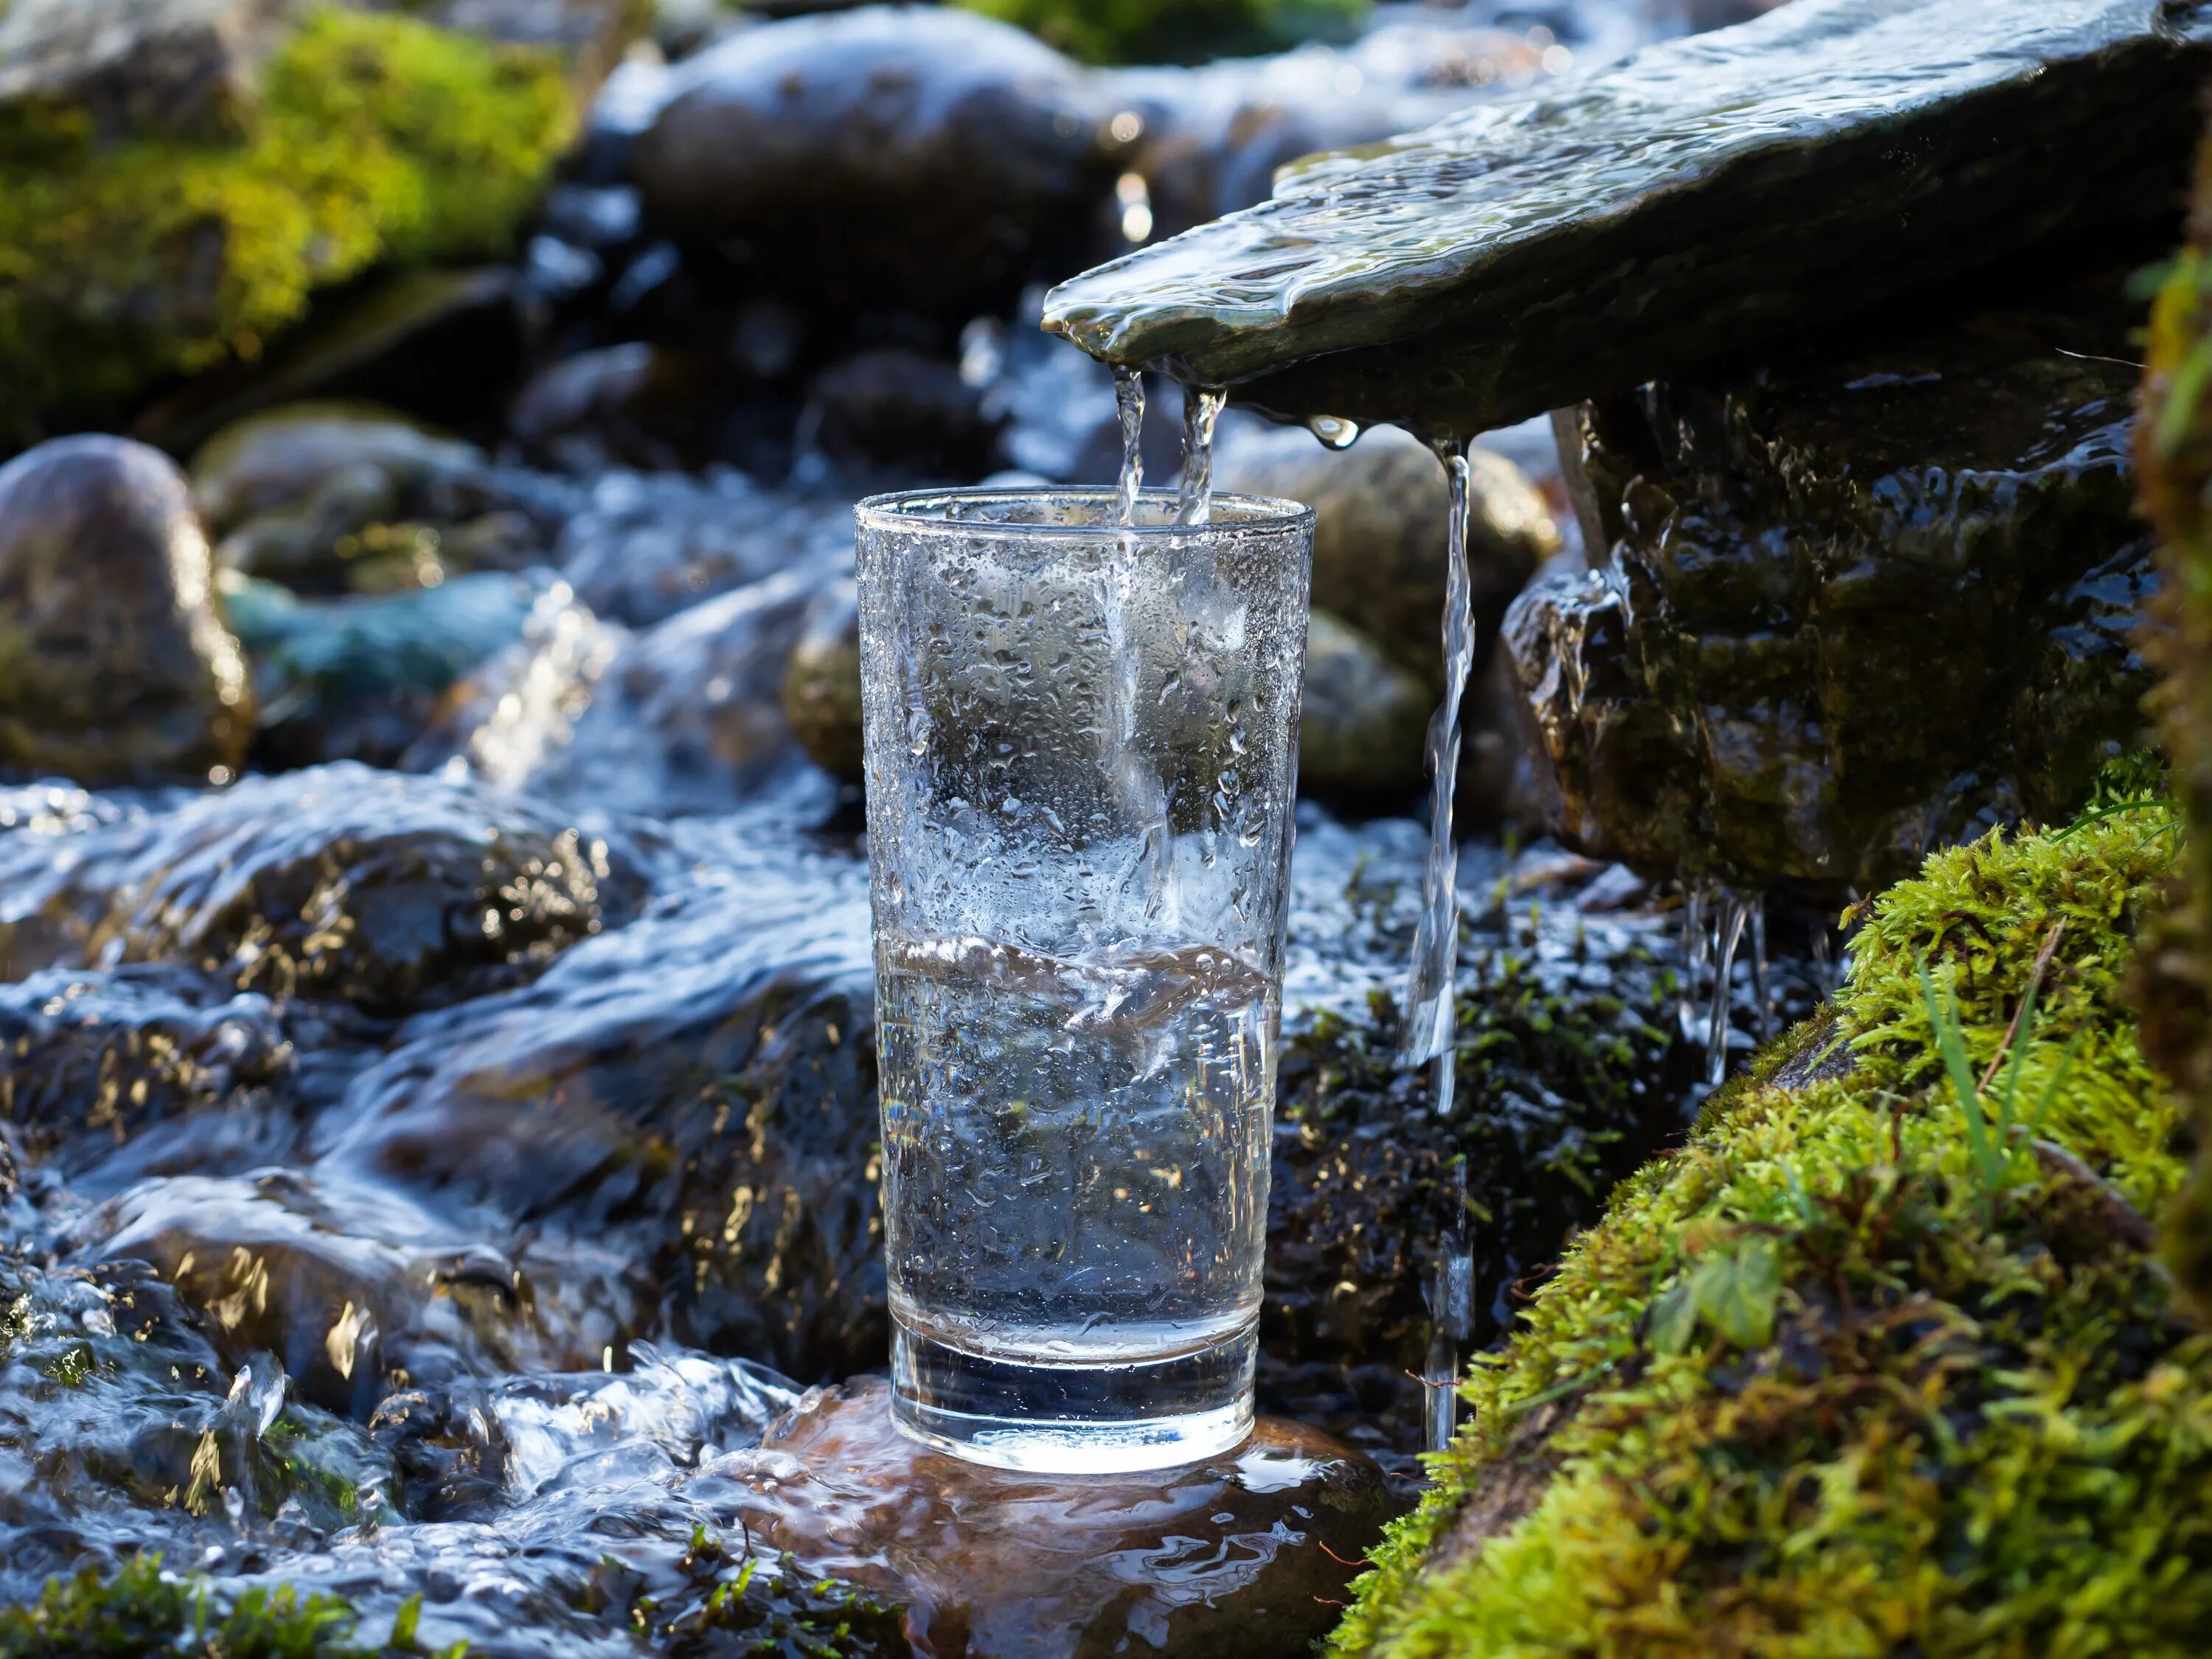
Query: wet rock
{"points": [[1246, 1553], [388, 891], [1568, 1075], [1380, 511], [144, 1066], [903, 413], [822, 684], [633, 406], [118, 1419], [1361, 717], [331, 497], [694, 1094], [1700, 200], [362, 678], [357, 1292], [115, 665], [646, 546], [926, 153], [1856, 608]]}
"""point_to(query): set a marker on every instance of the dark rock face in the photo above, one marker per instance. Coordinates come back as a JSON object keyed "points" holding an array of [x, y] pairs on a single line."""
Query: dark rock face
{"points": [[1854, 609], [1569, 1072], [1246, 1552], [341, 882], [928, 157], [115, 665], [1701, 199]]}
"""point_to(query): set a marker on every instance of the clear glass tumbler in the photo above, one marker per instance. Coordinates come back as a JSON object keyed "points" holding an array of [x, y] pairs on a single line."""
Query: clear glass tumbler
{"points": [[1082, 747]]}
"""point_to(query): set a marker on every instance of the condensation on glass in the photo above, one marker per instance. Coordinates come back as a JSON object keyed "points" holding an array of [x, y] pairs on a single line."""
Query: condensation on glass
{"points": [[1082, 749]]}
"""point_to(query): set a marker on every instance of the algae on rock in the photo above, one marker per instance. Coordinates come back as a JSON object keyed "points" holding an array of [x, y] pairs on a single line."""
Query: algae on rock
{"points": [[1794, 1395], [126, 256]]}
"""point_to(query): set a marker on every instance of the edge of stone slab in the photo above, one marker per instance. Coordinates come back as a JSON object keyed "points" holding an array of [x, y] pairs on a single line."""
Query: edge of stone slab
{"points": [[1258, 290]]}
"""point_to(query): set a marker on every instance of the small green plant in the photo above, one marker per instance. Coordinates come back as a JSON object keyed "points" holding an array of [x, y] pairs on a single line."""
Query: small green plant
{"points": [[1994, 1137], [2137, 782]]}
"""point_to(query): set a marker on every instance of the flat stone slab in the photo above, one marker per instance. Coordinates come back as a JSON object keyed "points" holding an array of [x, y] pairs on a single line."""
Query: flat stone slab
{"points": [[1703, 196], [1246, 1554]]}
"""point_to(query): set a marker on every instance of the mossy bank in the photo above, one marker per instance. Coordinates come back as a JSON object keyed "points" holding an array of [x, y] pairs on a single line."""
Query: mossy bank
{"points": [[1859, 1370], [128, 255]]}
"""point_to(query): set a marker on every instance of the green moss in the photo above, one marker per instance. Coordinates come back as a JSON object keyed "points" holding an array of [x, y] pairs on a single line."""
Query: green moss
{"points": [[376, 138], [1172, 31], [1794, 1396], [2173, 454], [143, 1613]]}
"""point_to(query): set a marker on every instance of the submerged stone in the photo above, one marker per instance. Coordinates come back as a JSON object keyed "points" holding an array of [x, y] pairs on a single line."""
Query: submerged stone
{"points": [[694, 1093], [140, 1064], [386, 891], [1703, 198], [1247, 1553], [115, 663], [1855, 606]]}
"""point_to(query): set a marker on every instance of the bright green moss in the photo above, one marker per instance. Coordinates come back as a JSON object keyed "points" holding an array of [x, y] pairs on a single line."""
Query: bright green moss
{"points": [[1793, 1397], [376, 138], [1172, 31], [142, 1613]]}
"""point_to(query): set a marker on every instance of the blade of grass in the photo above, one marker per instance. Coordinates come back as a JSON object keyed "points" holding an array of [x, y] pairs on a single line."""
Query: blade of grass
{"points": [[1950, 1044]]}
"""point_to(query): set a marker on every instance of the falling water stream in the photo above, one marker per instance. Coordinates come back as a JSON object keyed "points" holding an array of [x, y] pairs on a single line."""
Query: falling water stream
{"points": [[1201, 408], [1129, 403]]}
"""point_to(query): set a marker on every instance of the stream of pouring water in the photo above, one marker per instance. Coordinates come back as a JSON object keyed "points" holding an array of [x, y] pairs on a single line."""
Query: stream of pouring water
{"points": [[1129, 403], [1430, 1001], [1201, 408], [1714, 920]]}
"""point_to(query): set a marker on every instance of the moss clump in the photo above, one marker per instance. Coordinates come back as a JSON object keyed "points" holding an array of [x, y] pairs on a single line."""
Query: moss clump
{"points": [[1172, 31], [376, 137], [726, 1603], [2173, 455], [143, 1613], [1817, 1384]]}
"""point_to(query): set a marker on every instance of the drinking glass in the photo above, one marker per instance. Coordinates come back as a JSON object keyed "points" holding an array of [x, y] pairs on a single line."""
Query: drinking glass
{"points": [[1082, 749]]}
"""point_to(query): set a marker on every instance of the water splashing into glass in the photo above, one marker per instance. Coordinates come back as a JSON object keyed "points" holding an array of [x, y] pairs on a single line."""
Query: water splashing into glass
{"points": [[1201, 408]]}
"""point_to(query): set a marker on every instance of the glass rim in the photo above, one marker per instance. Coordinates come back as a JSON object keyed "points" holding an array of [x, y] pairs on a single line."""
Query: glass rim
{"points": [[895, 510]]}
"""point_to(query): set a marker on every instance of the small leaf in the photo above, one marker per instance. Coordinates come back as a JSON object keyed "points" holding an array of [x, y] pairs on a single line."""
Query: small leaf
{"points": [[1736, 1292], [1674, 1319], [403, 1623]]}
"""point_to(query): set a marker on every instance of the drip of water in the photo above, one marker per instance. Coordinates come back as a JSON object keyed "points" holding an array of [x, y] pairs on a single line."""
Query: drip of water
{"points": [[1824, 963], [1697, 947], [1129, 403], [1761, 996], [1729, 919], [1451, 1317], [1427, 1033], [1201, 408], [1335, 430]]}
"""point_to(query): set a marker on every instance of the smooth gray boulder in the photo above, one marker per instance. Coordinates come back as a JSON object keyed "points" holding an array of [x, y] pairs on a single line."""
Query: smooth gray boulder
{"points": [[1706, 195]]}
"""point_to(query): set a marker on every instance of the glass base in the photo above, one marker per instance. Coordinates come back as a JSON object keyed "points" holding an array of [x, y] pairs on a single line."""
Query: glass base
{"points": [[1063, 1418]]}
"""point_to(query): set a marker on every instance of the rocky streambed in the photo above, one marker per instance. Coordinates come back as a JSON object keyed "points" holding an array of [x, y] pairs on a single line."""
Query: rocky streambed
{"points": [[438, 1137]]}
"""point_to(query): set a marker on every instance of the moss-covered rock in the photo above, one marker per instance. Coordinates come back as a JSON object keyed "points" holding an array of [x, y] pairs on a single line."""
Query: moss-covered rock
{"points": [[126, 255], [1853, 1372], [142, 1612], [1168, 30], [2173, 452]]}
